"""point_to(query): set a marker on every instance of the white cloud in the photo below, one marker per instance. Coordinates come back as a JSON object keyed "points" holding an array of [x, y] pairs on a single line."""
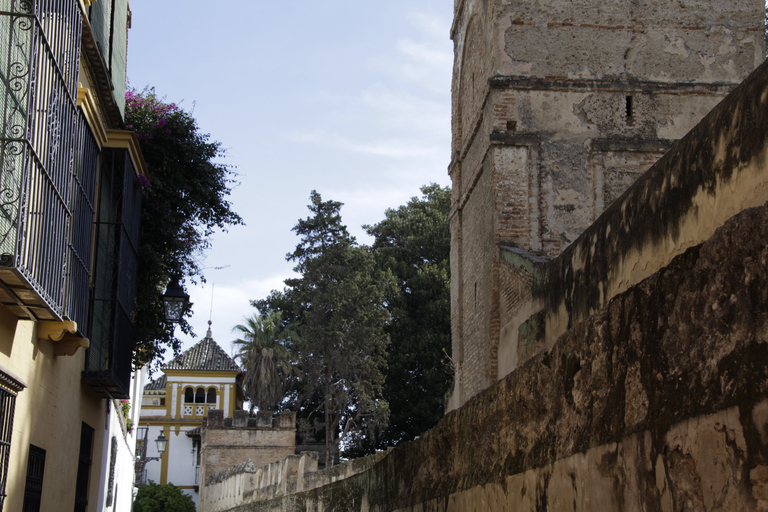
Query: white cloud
{"points": [[391, 148], [227, 304]]}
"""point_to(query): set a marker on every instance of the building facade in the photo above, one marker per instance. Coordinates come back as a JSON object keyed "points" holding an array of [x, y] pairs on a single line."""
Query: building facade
{"points": [[559, 106], [69, 227], [199, 380]]}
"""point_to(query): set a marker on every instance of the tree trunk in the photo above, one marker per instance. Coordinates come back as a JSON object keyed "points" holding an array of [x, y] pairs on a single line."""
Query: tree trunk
{"points": [[329, 459]]}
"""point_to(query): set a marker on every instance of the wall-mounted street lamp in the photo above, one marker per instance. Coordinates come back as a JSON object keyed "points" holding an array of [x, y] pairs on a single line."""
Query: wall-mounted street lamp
{"points": [[174, 301], [162, 445]]}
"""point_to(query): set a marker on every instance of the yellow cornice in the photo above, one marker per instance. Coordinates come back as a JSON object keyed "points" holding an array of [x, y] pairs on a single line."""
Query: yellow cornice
{"points": [[202, 373], [86, 100], [127, 140], [154, 421], [64, 335]]}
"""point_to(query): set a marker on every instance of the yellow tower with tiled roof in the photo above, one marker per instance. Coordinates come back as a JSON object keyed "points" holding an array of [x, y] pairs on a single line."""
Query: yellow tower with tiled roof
{"points": [[202, 378]]}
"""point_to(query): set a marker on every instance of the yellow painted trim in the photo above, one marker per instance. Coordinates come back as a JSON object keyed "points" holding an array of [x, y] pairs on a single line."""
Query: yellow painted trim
{"points": [[127, 140], [86, 100], [164, 461], [179, 402], [201, 373], [55, 331], [153, 407], [154, 421], [191, 487], [64, 336], [232, 399], [168, 399]]}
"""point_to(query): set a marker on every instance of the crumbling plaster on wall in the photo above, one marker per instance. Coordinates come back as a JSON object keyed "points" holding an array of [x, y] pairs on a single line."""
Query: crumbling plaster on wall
{"points": [[593, 92], [662, 41], [678, 204]]}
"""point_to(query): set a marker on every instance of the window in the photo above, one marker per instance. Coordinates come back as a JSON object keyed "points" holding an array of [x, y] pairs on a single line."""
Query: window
{"points": [[200, 396], [33, 491], [83, 468], [116, 232], [9, 386], [212, 396], [112, 463], [189, 396]]}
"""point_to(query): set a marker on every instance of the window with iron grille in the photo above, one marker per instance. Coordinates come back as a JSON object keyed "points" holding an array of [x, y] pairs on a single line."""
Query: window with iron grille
{"points": [[83, 207], [112, 464], [33, 490], [39, 66], [83, 468], [7, 406], [9, 387], [109, 357]]}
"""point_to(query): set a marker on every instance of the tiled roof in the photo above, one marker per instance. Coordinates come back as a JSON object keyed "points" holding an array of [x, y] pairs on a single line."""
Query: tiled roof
{"points": [[205, 355], [156, 385]]}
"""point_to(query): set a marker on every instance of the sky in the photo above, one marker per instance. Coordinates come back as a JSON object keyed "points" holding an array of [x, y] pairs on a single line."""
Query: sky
{"points": [[350, 98]]}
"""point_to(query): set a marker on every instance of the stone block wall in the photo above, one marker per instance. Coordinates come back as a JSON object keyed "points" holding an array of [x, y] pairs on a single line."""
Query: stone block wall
{"points": [[654, 394], [559, 106], [658, 402], [228, 442]]}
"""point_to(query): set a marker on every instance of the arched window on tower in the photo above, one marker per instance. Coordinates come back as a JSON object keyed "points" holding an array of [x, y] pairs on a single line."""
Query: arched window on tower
{"points": [[212, 396], [200, 396], [189, 396]]}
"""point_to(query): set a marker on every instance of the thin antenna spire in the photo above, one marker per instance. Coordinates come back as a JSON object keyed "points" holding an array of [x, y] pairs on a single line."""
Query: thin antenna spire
{"points": [[210, 313], [209, 334]]}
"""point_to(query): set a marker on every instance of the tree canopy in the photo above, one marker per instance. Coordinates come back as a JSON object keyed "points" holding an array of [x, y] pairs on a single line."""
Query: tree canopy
{"points": [[338, 307], [264, 350], [185, 201], [413, 243], [162, 498]]}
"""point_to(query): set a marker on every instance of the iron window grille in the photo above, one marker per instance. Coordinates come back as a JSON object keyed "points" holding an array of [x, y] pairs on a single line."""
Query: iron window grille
{"points": [[39, 66], [112, 464], [83, 468], [9, 387], [140, 473], [109, 357], [83, 208], [33, 490]]}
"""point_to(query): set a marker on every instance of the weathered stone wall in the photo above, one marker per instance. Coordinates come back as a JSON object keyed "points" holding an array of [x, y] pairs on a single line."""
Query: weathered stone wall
{"points": [[717, 170], [658, 402], [654, 394], [228, 442], [558, 106]]}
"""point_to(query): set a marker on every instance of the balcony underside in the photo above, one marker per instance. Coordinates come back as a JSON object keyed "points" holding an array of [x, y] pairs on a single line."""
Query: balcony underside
{"points": [[19, 296], [105, 384]]}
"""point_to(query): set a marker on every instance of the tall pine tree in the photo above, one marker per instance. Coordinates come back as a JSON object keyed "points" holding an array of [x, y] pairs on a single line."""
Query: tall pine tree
{"points": [[338, 305]]}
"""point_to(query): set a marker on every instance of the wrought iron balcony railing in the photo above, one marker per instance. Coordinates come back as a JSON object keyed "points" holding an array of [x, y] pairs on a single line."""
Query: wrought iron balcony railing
{"points": [[42, 176]]}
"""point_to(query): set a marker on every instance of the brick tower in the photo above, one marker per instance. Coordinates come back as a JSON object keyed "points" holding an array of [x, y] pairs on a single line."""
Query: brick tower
{"points": [[558, 106]]}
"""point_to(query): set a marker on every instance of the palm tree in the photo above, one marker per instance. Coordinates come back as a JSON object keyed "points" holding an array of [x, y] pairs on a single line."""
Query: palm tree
{"points": [[265, 358]]}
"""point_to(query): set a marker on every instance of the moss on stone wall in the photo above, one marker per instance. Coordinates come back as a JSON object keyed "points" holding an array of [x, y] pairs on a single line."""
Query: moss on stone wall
{"points": [[687, 343]]}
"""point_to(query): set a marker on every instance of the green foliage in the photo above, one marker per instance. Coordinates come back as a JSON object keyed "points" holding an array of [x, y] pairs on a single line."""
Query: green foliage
{"points": [[409, 264], [162, 498], [265, 356], [338, 305], [413, 243], [125, 407], [184, 203]]}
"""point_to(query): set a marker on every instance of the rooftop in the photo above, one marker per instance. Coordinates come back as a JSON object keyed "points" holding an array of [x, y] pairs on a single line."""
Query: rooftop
{"points": [[205, 355]]}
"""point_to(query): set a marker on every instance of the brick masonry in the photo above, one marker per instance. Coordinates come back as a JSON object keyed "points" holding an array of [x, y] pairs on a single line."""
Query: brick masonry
{"points": [[557, 108], [227, 442]]}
